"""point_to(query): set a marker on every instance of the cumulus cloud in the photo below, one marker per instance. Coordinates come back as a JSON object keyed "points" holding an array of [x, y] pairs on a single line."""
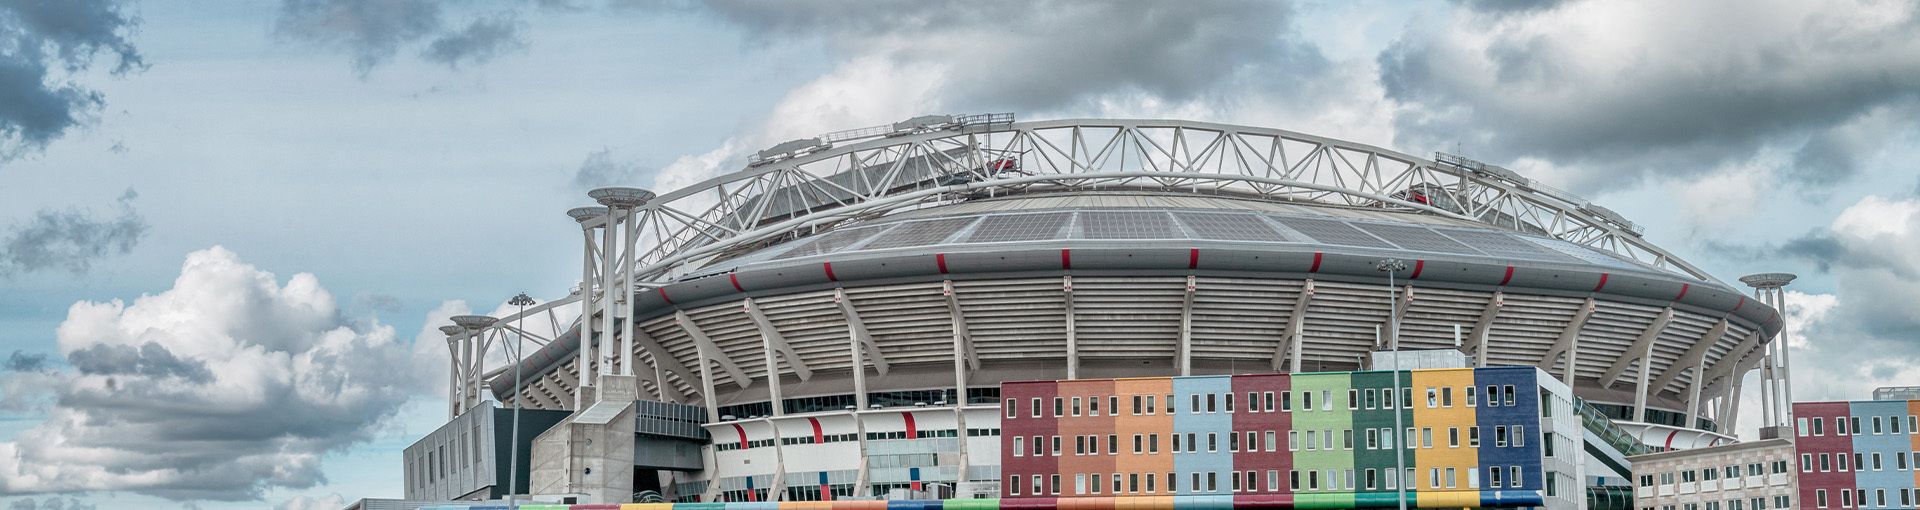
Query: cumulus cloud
{"points": [[21, 361], [329, 502], [1623, 91], [53, 503], [43, 45], [225, 385], [71, 239], [371, 30], [479, 42]]}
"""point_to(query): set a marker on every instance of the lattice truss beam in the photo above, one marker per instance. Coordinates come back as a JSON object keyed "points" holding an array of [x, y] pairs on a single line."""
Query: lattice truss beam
{"points": [[861, 179]]}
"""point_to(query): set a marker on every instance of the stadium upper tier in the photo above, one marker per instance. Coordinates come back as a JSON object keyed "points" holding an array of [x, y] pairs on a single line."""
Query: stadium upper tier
{"points": [[997, 265]]}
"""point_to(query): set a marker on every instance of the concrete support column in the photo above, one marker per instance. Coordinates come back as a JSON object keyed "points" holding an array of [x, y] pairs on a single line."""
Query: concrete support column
{"points": [[1640, 390], [609, 270], [1693, 396], [1073, 344]]}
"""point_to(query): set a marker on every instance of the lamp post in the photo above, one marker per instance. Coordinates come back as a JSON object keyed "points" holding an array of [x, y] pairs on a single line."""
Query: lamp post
{"points": [[1389, 266], [513, 462]]}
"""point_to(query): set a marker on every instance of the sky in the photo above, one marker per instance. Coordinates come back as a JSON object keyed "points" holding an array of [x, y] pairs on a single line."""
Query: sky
{"points": [[228, 229]]}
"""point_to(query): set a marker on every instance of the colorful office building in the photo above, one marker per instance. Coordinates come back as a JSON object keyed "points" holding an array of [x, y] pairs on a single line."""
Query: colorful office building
{"points": [[1488, 437], [1858, 454]]}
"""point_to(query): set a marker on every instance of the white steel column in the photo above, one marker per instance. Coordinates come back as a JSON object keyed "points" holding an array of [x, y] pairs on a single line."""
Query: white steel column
{"points": [[583, 363], [1073, 347], [1785, 375], [609, 269], [1640, 390], [1184, 356]]}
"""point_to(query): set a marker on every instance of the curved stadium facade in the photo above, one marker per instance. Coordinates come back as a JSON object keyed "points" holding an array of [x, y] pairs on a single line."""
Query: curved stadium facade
{"points": [[841, 314]]}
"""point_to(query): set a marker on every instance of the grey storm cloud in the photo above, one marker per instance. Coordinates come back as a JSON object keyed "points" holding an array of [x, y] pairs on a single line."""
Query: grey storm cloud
{"points": [[150, 360], [42, 46], [1621, 98], [1017, 54], [20, 361], [71, 239], [479, 42], [186, 395], [53, 503], [602, 169]]}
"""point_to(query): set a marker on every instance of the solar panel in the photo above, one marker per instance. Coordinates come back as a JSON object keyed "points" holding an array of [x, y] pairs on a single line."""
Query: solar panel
{"points": [[919, 233], [1230, 227], [1417, 238], [1331, 232], [1584, 253], [1502, 244], [1020, 227], [1128, 225], [831, 242]]}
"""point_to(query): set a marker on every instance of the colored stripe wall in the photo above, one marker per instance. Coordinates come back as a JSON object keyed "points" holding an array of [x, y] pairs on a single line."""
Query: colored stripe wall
{"points": [[1488, 499]]}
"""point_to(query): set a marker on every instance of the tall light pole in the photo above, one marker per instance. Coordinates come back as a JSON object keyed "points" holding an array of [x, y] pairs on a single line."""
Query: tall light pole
{"points": [[1777, 376], [1389, 266], [475, 325], [513, 463], [454, 399]]}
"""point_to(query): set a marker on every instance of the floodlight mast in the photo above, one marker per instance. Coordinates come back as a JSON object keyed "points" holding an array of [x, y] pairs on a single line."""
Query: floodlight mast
{"points": [[473, 357], [1776, 375], [616, 273], [588, 280], [513, 462], [453, 371], [1389, 266]]}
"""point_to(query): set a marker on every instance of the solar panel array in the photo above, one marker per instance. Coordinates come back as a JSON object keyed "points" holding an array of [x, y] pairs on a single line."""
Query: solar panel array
{"points": [[1417, 238], [1231, 227], [1332, 232], [1128, 225], [1020, 227], [831, 242], [920, 233], [1224, 226]]}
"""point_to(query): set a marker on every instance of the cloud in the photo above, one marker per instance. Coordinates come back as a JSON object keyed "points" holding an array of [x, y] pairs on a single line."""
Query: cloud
{"points": [[219, 388], [43, 45], [20, 361], [1624, 91], [53, 503], [602, 169], [371, 30], [72, 239], [329, 502], [479, 42], [1030, 55]]}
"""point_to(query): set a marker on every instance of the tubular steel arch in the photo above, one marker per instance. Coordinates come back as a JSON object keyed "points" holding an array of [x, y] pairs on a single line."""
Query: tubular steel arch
{"points": [[836, 179]]}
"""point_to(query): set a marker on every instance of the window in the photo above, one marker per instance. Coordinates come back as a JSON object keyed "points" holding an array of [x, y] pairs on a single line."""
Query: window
{"points": [[1213, 481], [1273, 479], [1234, 481], [1173, 484], [1353, 399], [1433, 478], [1876, 461], [1406, 398], [1493, 396], [1313, 479], [1228, 398], [1116, 483], [1306, 401], [1153, 443], [1899, 461], [1195, 408], [1212, 403], [1080, 484], [1139, 444], [1519, 435], [1508, 395], [1326, 400], [1451, 481], [1453, 437], [1013, 485], [1169, 403], [1136, 405], [1372, 478], [1373, 439], [1826, 463], [1079, 445], [1193, 442], [1500, 436], [1038, 488], [1373, 398], [1058, 406], [1513, 475], [1013, 409], [1253, 441], [1803, 427], [1133, 483], [1113, 409], [1076, 406], [1176, 442], [1053, 483], [1552, 489], [1473, 437], [1056, 446], [1846, 498], [1393, 477], [1270, 443], [1096, 482], [1446, 396], [1313, 441], [1293, 440], [1433, 398], [1853, 422], [1893, 424], [1213, 442], [1386, 438], [1149, 483], [1293, 480], [1346, 439], [1820, 497], [1547, 445], [1426, 437], [1253, 402], [1286, 401], [1018, 449], [1471, 400], [1493, 477], [1113, 444], [1269, 398], [1879, 497]]}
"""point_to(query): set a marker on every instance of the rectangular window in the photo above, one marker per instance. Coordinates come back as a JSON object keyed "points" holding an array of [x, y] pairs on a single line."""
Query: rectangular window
{"points": [[1913, 424], [1133, 483], [1393, 477], [1169, 403], [1846, 498], [1213, 481], [1293, 440], [1877, 429], [1212, 403], [1313, 440], [1453, 437], [1253, 402], [1213, 442], [1513, 477], [1176, 442], [1080, 484], [1093, 406], [1493, 477], [1451, 481], [1173, 484], [1116, 483], [1096, 483], [1386, 438], [1079, 445], [1519, 435], [1853, 422], [1018, 449], [1076, 406], [1353, 399], [1268, 396], [1149, 483], [1500, 436], [1857, 465], [1553, 489], [1136, 405], [1293, 480], [1473, 436], [1508, 395], [1493, 396], [1306, 401], [1139, 444], [1373, 398], [1013, 409], [1195, 408], [1826, 463], [1039, 486], [1899, 461], [1346, 439], [1153, 443], [1313, 479], [1228, 401], [1876, 461], [1426, 437], [1059, 406], [1270, 442], [1013, 485], [1372, 478], [1433, 398], [1893, 424], [1113, 408], [1193, 442], [1273, 479], [1233, 481], [1056, 446], [1326, 400], [1253, 441], [1286, 401], [1433, 478], [1471, 399], [1053, 484], [1446, 396], [1820, 497], [1113, 444], [1879, 497], [1406, 397], [1150, 405]]}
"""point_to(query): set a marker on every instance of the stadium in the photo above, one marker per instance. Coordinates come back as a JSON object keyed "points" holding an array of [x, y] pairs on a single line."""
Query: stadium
{"points": [[836, 319]]}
